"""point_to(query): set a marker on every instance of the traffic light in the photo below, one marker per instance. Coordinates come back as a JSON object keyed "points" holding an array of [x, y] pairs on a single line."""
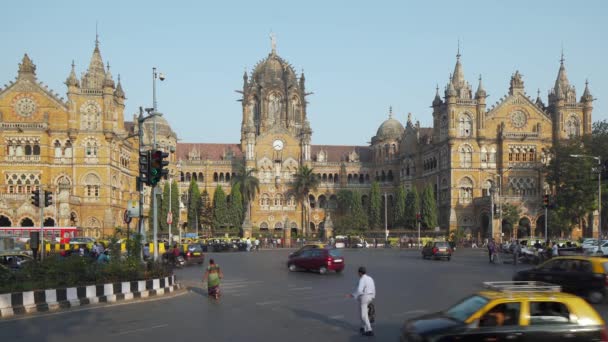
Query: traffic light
{"points": [[36, 198], [546, 201], [144, 167], [48, 198], [418, 217], [157, 166]]}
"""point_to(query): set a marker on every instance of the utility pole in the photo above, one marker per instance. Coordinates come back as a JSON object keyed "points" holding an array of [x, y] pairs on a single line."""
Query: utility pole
{"points": [[385, 220]]}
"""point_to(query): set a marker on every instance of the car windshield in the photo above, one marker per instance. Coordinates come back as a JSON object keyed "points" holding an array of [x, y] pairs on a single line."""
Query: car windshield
{"points": [[335, 253], [466, 308]]}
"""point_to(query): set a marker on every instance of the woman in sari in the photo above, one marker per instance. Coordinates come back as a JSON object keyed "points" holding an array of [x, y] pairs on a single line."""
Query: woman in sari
{"points": [[213, 276]]}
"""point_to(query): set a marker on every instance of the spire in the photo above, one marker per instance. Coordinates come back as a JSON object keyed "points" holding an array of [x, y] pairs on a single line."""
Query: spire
{"points": [[562, 78], [390, 112], [481, 92], [72, 81], [587, 97], [95, 75], [108, 82], [450, 91], [27, 67], [539, 101], [437, 100], [458, 76], [119, 92], [273, 43]]}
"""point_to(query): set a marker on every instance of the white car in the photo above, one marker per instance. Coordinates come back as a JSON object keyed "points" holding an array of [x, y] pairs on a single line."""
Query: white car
{"points": [[590, 247]]}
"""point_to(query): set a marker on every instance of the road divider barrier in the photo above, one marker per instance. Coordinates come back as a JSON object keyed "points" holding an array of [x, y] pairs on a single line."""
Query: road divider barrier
{"points": [[20, 303]]}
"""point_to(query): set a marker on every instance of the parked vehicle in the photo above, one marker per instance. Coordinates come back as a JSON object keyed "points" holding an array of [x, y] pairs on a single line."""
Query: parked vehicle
{"points": [[437, 250], [14, 260], [322, 260], [194, 254], [581, 275]]}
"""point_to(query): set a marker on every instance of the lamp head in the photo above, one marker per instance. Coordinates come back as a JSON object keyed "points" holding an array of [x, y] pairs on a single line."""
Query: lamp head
{"points": [[161, 76]]}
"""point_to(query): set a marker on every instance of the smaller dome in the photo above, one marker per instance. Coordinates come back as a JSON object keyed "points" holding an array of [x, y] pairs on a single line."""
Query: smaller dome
{"points": [[163, 130], [390, 129]]}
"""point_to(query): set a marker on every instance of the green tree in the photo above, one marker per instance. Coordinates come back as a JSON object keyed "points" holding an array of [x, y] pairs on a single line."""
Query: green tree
{"points": [[400, 207], [194, 206], [572, 180], [428, 208], [305, 182], [235, 209], [412, 207], [375, 206], [163, 209], [510, 216], [350, 215], [220, 208], [174, 205], [249, 186], [206, 212]]}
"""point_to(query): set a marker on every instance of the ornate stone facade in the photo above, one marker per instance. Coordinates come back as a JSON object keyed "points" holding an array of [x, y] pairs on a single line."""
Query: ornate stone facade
{"points": [[75, 148]]}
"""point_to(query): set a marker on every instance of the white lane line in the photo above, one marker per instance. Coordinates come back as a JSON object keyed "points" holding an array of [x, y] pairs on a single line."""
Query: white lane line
{"points": [[232, 286], [268, 302], [336, 317], [300, 288], [140, 330]]}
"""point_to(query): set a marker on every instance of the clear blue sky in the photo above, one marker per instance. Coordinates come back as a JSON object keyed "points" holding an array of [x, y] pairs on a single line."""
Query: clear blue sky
{"points": [[359, 57]]}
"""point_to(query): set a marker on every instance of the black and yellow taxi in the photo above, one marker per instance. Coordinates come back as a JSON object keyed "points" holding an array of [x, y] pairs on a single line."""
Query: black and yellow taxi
{"points": [[14, 260], [585, 276], [511, 311]]}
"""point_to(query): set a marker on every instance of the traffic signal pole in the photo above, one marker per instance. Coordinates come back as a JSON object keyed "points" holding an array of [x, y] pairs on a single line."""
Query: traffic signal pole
{"points": [[41, 201]]}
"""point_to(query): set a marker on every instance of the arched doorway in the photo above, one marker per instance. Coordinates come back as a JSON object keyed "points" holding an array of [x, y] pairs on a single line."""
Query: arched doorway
{"points": [[312, 227], [27, 222], [5, 221], [485, 226], [49, 222], [540, 227], [524, 229], [294, 229], [278, 227]]}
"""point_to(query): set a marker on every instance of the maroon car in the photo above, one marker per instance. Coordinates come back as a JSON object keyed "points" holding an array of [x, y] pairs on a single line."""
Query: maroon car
{"points": [[317, 259]]}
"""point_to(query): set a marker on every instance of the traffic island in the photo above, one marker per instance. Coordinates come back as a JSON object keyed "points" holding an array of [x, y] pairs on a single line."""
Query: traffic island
{"points": [[19, 303]]}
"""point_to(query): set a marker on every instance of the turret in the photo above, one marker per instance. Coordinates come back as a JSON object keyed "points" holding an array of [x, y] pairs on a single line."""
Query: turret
{"points": [[587, 102], [27, 69], [539, 102], [480, 97], [72, 82]]}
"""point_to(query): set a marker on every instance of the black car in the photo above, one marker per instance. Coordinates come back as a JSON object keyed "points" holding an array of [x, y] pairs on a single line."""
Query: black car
{"points": [[193, 254], [579, 275], [437, 250]]}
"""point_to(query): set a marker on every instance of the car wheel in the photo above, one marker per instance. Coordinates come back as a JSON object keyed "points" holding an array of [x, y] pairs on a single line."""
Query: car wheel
{"points": [[292, 267], [595, 297], [323, 270]]}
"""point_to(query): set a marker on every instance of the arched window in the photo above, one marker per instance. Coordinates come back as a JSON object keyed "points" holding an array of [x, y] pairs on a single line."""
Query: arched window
{"points": [[312, 201], [492, 156], [215, 177], [57, 147], [465, 125], [181, 176], [572, 127], [484, 156], [292, 200], [221, 177], [200, 177], [333, 202], [265, 200], [322, 202], [390, 175], [188, 177], [263, 226], [28, 150], [68, 149], [92, 186], [466, 190], [36, 150], [278, 200], [466, 156], [228, 177], [194, 177]]}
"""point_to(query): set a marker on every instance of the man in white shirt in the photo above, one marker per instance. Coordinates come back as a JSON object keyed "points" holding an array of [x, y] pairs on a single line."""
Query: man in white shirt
{"points": [[364, 294]]}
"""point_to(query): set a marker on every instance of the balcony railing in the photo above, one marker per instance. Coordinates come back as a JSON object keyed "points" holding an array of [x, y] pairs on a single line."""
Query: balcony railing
{"points": [[31, 158]]}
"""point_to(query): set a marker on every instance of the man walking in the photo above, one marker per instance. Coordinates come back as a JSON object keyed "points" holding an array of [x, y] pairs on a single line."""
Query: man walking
{"points": [[364, 294]]}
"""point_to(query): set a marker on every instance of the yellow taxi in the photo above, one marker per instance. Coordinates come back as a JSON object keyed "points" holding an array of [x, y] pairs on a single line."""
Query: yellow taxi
{"points": [[511, 311]]}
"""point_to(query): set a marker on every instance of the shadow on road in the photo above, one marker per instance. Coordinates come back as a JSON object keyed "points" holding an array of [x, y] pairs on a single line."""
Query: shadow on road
{"points": [[324, 319]]}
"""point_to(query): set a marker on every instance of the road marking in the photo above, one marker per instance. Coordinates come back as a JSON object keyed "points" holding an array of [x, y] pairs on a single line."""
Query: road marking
{"points": [[268, 302], [336, 317], [103, 306], [232, 286], [300, 288], [140, 330]]}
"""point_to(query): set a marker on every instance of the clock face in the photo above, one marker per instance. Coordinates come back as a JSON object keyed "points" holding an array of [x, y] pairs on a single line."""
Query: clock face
{"points": [[25, 106], [518, 119], [277, 145]]}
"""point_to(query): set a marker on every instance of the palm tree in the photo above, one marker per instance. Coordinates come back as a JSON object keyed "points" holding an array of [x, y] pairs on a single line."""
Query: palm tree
{"points": [[249, 186], [305, 181]]}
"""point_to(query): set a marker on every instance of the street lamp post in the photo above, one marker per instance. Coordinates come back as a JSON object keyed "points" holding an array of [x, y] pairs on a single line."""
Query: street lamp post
{"points": [[385, 219], [491, 190], [599, 193], [155, 113]]}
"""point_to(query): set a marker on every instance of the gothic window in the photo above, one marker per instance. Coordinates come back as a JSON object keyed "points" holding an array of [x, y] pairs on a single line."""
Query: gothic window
{"points": [[91, 148], [265, 200], [312, 201], [68, 149], [90, 116], [292, 200], [263, 226], [484, 157], [22, 183], [36, 150], [194, 177], [278, 200], [466, 190], [188, 177], [201, 178], [57, 149], [510, 154], [322, 202], [492, 156], [28, 150], [390, 176], [465, 125], [92, 185], [466, 156], [215, 177], [532, 154], [572, 127]]}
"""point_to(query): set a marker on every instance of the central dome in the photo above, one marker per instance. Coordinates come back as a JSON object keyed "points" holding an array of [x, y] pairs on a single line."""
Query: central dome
{"points": [[390, 129], [273, 69]]}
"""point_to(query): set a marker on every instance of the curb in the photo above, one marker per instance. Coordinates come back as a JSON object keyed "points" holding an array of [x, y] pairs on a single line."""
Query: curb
{"points": [[20, 303]]}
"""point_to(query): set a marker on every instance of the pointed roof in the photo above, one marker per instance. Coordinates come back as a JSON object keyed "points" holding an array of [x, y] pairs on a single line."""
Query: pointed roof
{"points": [[119, 92], [96, 74], [481, 92], [27, 67], [458, 76], [587, 97], [108, 81], [562, 78], [72, 80], [539, 101], [437, 100]]}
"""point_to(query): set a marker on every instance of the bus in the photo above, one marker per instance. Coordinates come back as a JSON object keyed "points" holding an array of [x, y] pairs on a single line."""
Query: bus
{"points": [[52, 234]]}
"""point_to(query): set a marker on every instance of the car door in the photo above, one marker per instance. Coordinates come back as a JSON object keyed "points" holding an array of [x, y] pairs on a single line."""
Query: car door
{"points": [[550, 320], [317, 259], [500, 323], [304, 259]]}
